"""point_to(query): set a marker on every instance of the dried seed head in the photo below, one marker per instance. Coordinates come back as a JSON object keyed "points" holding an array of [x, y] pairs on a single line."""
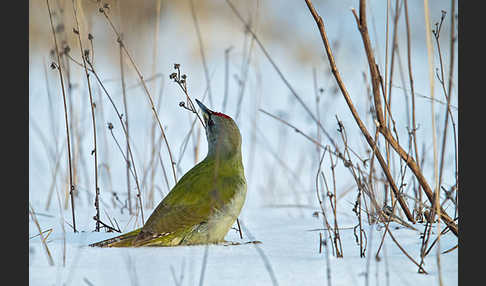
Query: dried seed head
{"points": [[75, 31], [53, 65], [90, 37], [110, 125], [67, 49], [182, 104], [177, 66], [184, 76], [173, 75]]}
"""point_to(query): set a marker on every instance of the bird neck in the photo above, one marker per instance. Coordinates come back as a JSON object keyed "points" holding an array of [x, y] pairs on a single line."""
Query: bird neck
{"points": [[223, 147], [225, 160]]}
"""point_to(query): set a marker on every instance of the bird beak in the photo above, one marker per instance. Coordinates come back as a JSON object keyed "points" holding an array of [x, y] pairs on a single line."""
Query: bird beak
{"points": [[205, 111]]}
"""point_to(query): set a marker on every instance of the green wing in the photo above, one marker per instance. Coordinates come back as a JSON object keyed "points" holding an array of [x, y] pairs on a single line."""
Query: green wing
{"points": [[191, 202]]}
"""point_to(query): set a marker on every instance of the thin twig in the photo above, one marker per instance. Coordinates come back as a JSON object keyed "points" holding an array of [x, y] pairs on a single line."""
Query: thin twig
{"points": [[181, 80], [406, 253], [436, 203], [41, 233], [449, 90], [333, 203], [127, 136], [448, 112], [59, 68], [327, 226], [414, 126], [120, 117], [95, 150]]}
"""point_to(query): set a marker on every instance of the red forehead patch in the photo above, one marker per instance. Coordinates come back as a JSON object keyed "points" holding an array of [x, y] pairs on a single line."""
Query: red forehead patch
{"points": [[221, 114]]}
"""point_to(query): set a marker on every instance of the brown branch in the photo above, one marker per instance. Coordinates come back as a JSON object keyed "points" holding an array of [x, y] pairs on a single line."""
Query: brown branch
{"points": [[369, 139], [375, 77]]}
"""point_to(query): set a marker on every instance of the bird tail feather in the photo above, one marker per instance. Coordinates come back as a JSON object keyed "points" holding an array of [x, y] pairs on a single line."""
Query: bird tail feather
{"points": [[124, 240]]}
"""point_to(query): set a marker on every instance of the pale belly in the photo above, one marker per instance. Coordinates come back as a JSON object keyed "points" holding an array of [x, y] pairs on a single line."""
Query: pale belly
{"points": [[219, 223]]}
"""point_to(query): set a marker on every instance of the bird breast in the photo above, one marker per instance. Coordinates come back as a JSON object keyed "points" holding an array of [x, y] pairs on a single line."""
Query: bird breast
{"points": [[221, 220]]}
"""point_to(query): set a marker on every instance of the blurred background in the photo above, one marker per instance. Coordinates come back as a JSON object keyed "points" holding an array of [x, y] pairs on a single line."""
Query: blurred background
{"points": [[206, 37]]}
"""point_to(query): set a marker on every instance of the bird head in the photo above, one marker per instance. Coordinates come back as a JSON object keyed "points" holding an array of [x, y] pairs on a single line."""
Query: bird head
{"points": [[222, 133]]}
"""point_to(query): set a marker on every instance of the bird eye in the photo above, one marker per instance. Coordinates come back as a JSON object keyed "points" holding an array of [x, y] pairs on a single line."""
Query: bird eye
{"points": [[210, 122]]}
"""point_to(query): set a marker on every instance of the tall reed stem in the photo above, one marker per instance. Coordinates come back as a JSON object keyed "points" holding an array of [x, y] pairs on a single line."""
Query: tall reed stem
{"points": [[59, 68], [93, 119]]}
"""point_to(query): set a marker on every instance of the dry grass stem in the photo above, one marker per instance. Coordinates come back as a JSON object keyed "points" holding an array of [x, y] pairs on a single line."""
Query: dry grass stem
{"points": [[41, 233], [120, 118], [84, 55], [59, 68], [127, 136], [327, 226], [435, 202]]}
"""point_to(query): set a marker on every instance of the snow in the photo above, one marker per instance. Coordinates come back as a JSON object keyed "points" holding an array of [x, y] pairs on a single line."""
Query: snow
{"points": [[288, 244]]}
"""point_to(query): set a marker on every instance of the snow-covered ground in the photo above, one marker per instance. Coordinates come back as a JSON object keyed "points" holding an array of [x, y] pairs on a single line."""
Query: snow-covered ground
{"points": [[289, 250]]}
